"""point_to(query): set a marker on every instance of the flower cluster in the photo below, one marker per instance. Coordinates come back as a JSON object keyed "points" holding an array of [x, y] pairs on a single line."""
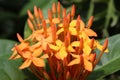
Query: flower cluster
{"points": [[60, 47]]}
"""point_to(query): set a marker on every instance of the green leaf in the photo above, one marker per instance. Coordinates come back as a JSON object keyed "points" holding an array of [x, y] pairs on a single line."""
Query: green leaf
{"points": [[8, 68], [110, 62], [42, 4]]}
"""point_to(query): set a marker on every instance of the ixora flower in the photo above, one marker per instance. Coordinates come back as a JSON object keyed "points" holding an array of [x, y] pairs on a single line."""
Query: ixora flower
{"points": [[65, 44]]}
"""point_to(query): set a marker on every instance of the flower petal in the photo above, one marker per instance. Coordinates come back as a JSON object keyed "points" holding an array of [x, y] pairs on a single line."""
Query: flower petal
{"points": [[100, 47], [60, 25], [25, 64], [37, 52], [75, 43], [44, 56], [73, 23], [27, 54], [87, 49], [90, 32], [73, 31], [56, 48], [35, 45], [59, 42], [59, 31], [56, 20], [23, 45], [44, 45], [75, 56], [88, 65], [38, 62], [75, 61], [71, 49], [61, 54], [14, 54], [49, 39]]}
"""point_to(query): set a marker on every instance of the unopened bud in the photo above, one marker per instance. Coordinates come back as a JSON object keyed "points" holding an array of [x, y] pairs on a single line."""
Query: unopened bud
{"points": [[92, 57], [19, 38], [40, 13], [58, 9], [90, 21], [35, 11], [54, 8], [30, 25], [50, 15], [64, 13], [73, 11], [30, 15], [105, 45]]}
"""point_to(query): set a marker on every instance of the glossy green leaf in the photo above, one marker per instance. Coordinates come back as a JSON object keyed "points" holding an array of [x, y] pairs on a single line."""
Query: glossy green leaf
{"points": [[110, 62], [8, 68]]}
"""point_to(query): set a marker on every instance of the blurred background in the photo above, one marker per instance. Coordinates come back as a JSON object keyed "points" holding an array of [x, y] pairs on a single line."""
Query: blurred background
{"points": [[106, 17]]}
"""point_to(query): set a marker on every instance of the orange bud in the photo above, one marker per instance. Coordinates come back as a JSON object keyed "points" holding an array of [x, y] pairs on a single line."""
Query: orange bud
{"points": [[67, 39], [30, 25], [64, 13], [81, 45], [58, 9], [78, 24], [92, 57], [19, 38], [65, 23], [44, 27], [78, 18], [40, 13], [90, 21], [35, 11], [68, 16], [105, 45], [53, 28], [50, 15], [30, 15], [54, 8], [73, 11]]}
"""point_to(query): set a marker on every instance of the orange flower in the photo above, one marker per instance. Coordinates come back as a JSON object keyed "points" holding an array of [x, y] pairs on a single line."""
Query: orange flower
{"points": [[63, 42], [87, 64], [61, 49], [23, 45], [34, 58]]}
